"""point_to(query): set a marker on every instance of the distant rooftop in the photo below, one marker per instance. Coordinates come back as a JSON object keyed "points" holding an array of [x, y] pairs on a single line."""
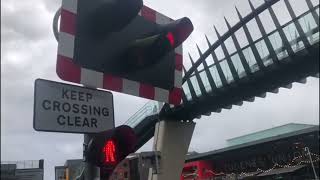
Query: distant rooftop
{"points": [[22, 170], [268, 133], [24, 164]]}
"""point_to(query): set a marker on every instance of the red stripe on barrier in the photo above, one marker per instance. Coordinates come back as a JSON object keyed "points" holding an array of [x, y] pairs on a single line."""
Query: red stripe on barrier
{"points": [[146, 91], [112, 83], [179, 62], [175, 96], [68, 22], [67, 70], [148, 13]]}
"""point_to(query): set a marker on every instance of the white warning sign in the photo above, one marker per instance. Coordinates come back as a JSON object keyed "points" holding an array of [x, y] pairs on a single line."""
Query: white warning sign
{"points": [[62, 107]]}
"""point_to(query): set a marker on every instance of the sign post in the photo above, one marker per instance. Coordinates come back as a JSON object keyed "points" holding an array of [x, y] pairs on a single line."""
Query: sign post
{"points": [[61, 107]]}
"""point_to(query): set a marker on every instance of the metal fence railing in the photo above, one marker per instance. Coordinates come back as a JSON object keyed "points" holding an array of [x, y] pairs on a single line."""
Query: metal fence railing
{"points": [[284, 40]]}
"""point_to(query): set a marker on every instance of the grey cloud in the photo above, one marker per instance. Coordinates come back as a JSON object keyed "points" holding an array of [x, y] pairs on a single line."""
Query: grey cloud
{"points": [[54, 148], [24, 20], [52, 5]]}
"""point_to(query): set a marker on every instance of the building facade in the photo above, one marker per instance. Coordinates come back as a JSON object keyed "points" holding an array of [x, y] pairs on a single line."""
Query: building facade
{"points": [[286, 152], [22, 170]]}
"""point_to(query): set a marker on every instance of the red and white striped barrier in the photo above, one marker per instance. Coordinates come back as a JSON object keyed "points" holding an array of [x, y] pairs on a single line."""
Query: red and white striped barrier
{"points": [[69, 71]]}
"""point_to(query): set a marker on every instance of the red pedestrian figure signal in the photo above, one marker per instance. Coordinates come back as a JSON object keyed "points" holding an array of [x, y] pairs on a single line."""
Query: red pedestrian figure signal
{"points": [[170, 37], [110, 152], [107, 149]]}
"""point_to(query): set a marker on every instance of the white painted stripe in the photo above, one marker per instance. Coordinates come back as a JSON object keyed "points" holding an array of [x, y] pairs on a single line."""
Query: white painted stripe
{"points": [[130, 87], [91, 78], [178, 50], [161, 19], [66, 45], [70, 5], [177, 78], [161, 95]]}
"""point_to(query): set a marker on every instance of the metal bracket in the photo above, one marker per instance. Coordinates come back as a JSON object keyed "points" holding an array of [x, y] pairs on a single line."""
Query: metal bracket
{"points": [[55, 24]]}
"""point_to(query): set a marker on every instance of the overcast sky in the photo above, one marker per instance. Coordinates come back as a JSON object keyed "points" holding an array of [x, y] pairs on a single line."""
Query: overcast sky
{"points": [[28, 52]]}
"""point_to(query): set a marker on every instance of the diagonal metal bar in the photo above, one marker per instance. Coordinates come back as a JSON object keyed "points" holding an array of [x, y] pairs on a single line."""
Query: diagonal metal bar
{"points": [[208, 73], [200, 82], [264, 34], [313, 12], [309, 34], [240, 53], [297, 24], [294, 41], [190, 86], [227, 56], [251, 43], [218, 66], [283, 36], [236, 27], [184, 97]]}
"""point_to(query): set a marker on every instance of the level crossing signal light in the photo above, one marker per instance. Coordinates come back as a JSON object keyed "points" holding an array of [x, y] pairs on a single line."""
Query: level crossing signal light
{"points": [[112, 38], [107, 149], [147, 51]]}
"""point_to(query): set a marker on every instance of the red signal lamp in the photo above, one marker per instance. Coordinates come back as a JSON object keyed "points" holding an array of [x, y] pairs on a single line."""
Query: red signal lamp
{"points": [[170, 38], [147, 51], [109, 152], [178, 31], [107, 149]]}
